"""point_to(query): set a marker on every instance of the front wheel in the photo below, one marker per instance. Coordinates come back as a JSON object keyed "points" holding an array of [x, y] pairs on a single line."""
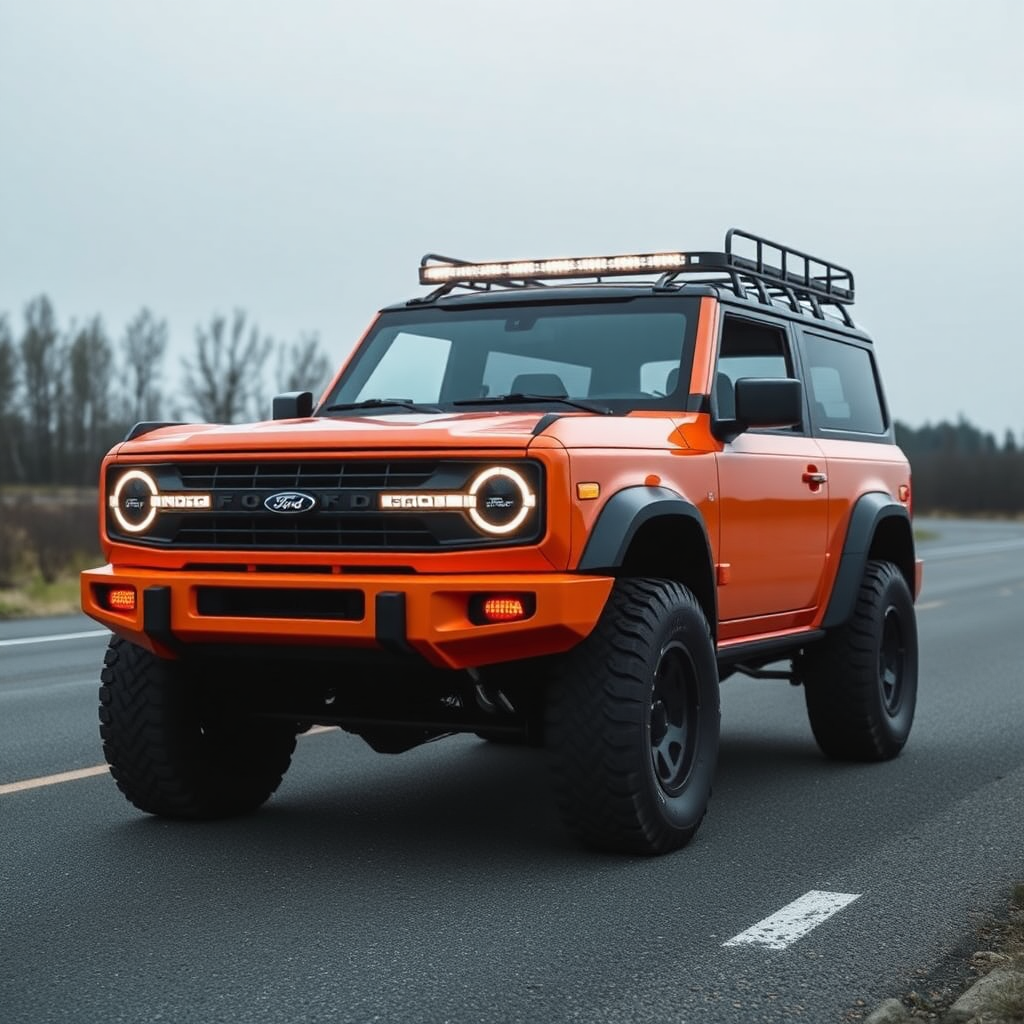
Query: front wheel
{"points": [[860, 682], [174, 749], [633, 721]]}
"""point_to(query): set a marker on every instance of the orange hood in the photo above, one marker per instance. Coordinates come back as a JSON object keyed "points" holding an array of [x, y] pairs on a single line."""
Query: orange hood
{"points": [[356, 433]]}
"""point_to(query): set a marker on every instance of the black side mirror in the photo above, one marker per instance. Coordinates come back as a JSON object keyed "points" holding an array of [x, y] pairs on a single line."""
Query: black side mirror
{"points": [[764, 402], [769, 401], [293, 405]]}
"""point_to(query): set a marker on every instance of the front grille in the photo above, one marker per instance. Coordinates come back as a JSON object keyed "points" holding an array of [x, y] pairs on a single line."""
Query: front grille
{"points": [[329, 505], [355, 532], [327, 475]]}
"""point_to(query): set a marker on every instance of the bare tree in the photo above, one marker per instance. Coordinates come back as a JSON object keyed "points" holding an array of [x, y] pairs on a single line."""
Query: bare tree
{"points": [[10, 421], [224, 382], [142, 347], [42, 371], [88, 412], [302, 365]]}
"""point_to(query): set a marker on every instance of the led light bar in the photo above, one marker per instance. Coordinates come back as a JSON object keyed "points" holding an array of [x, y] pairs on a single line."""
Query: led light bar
{"points": [[580, 266]]}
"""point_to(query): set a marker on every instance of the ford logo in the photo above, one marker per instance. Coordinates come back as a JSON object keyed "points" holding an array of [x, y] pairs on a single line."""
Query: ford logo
{"points": [[290, 502]]}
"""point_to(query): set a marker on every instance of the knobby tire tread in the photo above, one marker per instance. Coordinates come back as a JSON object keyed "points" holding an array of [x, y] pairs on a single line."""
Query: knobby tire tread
{"points": [[597, 703], [158, 754], [841, 681]]}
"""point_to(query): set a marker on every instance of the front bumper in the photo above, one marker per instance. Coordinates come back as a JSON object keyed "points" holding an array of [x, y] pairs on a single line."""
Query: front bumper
{"points": [[425, 615]]}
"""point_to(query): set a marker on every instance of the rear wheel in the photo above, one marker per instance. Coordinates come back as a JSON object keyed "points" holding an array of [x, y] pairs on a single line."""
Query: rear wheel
{"points": [[860, 682], [633, 721], [174, 749]]}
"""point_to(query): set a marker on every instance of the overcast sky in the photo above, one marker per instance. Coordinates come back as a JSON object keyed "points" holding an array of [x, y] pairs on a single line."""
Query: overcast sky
{"points": [[296, 159]]}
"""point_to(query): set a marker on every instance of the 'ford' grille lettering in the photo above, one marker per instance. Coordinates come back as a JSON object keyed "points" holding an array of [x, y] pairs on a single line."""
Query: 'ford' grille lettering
{"points": [[290, 502]]}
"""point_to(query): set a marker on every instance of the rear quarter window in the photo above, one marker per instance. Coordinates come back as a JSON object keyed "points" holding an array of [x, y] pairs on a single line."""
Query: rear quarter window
{"points": [[843, 386]]}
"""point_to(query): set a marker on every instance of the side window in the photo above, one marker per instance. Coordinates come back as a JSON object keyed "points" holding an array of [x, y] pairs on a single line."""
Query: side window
{"points": [[412, 368], [843, 386], [748, 349]]}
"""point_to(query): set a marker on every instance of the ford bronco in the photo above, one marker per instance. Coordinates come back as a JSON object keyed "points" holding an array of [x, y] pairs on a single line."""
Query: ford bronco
{"points": [[552, 502]]}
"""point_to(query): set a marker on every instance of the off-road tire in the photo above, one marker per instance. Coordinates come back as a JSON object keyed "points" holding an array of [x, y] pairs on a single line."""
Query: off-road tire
{"points": [[633, 720], [174, 750], [860, 682]]}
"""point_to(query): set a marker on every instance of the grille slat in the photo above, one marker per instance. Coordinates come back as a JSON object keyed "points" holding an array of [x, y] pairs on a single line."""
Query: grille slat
{"points": [[297, 475], [273, 531]]}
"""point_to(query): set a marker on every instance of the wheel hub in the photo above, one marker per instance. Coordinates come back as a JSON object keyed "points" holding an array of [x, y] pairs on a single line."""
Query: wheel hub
{"points": [[673, 719], [891, 656]]}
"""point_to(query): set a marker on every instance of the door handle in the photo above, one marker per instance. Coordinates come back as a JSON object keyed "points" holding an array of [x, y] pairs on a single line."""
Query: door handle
{"points": [[814, 478]]}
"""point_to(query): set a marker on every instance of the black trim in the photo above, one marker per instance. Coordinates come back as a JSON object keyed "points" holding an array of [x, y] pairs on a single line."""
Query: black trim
{"points": [[869, 512], [292, 405], [623, 514], [544, 422], [156, 615], [762, 652], [146, 426], [389, 618]]}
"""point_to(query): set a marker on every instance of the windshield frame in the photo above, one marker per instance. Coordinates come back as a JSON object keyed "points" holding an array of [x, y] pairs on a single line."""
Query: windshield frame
{"points": [[347, 387]]}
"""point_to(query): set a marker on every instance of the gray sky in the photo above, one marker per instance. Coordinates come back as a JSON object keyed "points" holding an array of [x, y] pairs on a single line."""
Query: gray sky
{"points": [[296, 159]]}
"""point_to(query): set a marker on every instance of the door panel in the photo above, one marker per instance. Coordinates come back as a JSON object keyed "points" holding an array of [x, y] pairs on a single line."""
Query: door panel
{"points": [[774, 521]]}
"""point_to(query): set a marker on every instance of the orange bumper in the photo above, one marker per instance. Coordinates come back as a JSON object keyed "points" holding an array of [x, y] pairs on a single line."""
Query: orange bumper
{"points": [[426, 615]]}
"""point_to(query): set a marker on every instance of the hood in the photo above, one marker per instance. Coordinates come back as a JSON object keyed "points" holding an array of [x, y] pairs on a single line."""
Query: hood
{"points": [[355, 433]]}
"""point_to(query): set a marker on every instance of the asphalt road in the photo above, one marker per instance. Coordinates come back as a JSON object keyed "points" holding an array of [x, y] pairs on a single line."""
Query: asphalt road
{"points": [[439, 886]]}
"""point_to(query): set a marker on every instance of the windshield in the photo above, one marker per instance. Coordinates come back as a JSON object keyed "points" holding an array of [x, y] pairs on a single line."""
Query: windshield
{"points": [[606, 355]]}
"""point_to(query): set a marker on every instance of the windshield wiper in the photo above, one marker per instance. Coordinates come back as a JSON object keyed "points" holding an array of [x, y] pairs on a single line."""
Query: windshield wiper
{"points": [[520, 396], [380, 403]]}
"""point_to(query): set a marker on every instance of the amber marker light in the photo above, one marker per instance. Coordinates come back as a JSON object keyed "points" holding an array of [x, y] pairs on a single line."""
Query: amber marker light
{"points": [[491, 608], [588, 491], [121, 599]]}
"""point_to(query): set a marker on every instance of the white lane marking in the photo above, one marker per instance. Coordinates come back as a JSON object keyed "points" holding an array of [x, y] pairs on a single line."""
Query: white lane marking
{"points": [[52, 780], [101, 769], [979, 547], [51, 639], [794, 920], [924, 606]]}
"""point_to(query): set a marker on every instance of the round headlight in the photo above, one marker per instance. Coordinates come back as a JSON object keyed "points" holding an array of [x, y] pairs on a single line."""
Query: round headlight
{"points": [[131, 501], [503, 500]]}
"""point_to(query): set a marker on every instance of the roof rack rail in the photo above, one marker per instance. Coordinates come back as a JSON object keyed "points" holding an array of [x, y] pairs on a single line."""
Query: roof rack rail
{"points": [[774, 271]]}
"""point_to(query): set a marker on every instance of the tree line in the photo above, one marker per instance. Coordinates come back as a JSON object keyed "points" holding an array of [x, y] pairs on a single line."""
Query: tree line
{"points": [[961, 470], [67, 394]]}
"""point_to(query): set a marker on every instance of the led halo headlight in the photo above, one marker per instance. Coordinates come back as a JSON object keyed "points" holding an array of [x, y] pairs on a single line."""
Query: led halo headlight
{"points": [[503, 500], [133, 497]]}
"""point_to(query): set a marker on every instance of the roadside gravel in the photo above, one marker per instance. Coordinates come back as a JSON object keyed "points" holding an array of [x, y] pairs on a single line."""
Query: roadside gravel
{"points": [[996, 997]]}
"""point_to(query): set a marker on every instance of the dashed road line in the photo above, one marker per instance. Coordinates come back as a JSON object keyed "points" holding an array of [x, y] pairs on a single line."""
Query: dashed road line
{"points": [[794, 920], [52, 780], [53, 637], [925, 606], [100, 769]]}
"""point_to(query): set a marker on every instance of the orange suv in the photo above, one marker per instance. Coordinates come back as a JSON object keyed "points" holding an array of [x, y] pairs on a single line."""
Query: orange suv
{"points": [[552, 502]]}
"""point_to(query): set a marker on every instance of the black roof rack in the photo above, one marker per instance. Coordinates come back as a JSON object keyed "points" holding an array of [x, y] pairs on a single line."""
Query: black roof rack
{"points": [[748, 263]]}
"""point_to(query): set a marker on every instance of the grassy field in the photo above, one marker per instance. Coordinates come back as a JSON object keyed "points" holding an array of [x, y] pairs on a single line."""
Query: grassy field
{"points": [[47, 536]]}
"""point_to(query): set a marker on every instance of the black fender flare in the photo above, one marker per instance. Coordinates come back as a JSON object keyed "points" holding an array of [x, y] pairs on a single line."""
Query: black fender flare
{"points": [[620, 518], [624, 513], [869, 512]]}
